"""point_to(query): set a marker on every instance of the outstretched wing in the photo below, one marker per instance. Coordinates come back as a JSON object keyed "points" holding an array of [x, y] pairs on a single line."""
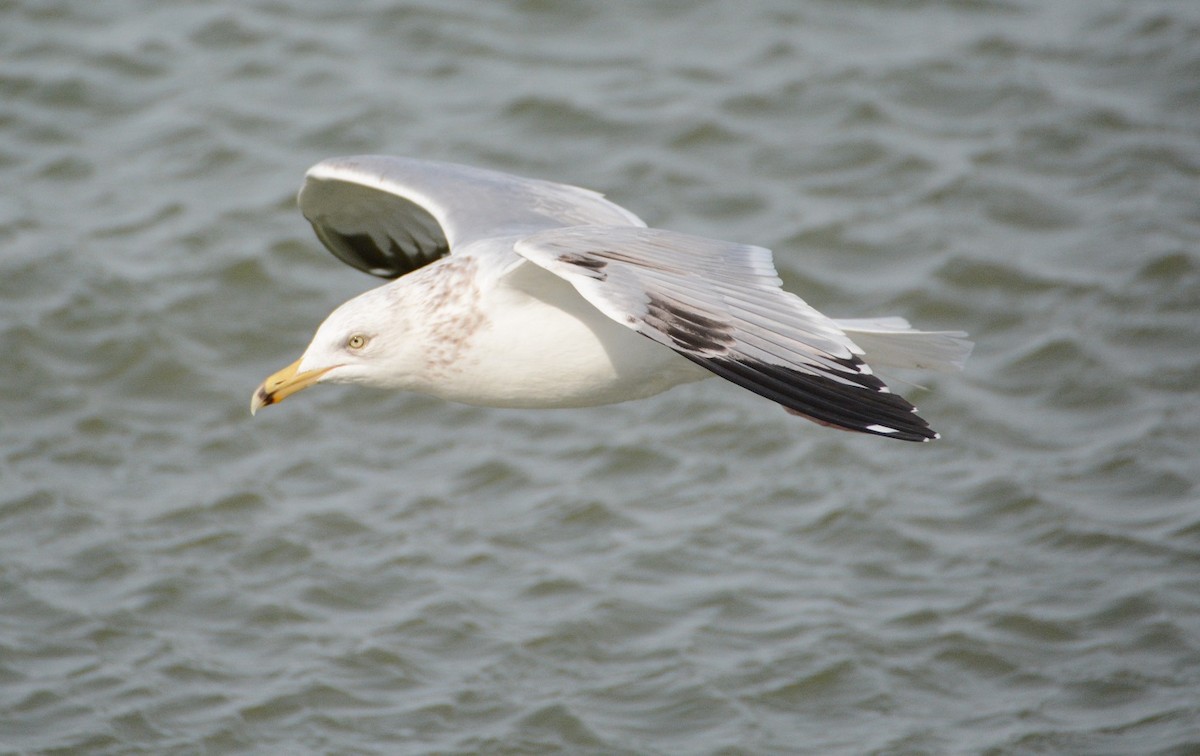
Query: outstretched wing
{"points": [[722, 306], [389, 216]]}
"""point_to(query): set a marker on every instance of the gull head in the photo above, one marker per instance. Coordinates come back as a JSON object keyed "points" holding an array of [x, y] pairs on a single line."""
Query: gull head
{"points": [[360, 342]]}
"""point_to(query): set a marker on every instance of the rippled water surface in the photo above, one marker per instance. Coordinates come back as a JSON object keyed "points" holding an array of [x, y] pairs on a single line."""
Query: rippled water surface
{"points": [[361, 572]]}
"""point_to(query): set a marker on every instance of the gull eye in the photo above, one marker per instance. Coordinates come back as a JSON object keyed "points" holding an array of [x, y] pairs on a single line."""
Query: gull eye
{"points": [[357, 341]]}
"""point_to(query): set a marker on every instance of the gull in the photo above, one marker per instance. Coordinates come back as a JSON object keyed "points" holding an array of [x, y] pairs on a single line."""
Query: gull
{"points": [[518, 292]]}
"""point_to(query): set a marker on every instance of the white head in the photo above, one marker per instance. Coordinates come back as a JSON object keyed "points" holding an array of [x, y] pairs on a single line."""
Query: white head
{"points": [[366, 340]]}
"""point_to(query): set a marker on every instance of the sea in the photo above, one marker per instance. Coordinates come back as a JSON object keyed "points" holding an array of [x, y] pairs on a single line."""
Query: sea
{"points": [[364, 572]]}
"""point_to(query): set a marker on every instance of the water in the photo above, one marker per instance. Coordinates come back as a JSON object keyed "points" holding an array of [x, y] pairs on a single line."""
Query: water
{"points": [[359, 572]]}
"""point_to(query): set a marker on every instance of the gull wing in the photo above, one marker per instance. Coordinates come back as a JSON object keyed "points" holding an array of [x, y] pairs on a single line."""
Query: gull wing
{"points": [[388, 216], [722, 306]]}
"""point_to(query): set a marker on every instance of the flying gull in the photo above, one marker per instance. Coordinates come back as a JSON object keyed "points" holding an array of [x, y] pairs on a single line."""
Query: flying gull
{"points": [[517, 292]]}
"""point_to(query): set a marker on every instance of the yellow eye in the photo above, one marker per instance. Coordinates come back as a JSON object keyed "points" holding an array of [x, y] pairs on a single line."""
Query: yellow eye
{"points": [[357, 341]]}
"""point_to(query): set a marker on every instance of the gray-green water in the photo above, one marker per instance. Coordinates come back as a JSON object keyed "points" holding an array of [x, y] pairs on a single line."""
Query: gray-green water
{"points": [[358, 572]]}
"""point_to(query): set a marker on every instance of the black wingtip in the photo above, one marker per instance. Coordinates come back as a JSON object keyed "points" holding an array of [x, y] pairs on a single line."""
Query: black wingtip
{"points": [[863, 406]]}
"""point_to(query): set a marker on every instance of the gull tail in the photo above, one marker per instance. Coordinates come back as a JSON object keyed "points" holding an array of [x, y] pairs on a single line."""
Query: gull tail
{"points": [[892, 342]]}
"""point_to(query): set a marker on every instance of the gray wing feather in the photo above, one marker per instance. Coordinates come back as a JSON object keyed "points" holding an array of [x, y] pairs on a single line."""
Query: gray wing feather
{"points": [[389, 216], [722, 306]]}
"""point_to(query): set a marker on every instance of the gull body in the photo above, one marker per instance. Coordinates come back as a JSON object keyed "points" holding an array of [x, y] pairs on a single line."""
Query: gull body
{"points": [[527, 339], [514, 292]]}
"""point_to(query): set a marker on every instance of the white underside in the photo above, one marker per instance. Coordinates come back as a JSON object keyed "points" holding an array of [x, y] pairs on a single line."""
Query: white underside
{"points": [[544, 346]]}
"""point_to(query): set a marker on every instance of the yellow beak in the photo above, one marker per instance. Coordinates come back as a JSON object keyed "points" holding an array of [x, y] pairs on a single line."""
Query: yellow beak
{"points": [[283, 384]]}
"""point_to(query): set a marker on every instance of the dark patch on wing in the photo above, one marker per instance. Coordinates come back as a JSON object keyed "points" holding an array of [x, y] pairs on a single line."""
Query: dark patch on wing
{"points": [[584, 261], [688, 329], [350, 222], [360, 251], [824, 399]]}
